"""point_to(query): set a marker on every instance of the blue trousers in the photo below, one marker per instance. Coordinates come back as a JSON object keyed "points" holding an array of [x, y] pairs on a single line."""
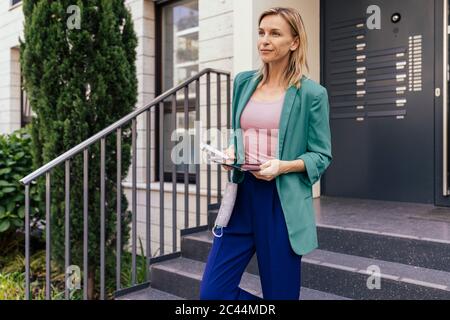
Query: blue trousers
{"points": [[256, 224]]}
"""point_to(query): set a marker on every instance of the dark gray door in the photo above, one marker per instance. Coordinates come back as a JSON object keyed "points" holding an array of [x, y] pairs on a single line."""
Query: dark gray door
{"points": [[381, 89]]}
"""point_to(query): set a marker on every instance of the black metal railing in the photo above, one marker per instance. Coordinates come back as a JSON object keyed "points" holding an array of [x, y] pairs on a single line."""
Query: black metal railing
{"points": [[101, 136]]}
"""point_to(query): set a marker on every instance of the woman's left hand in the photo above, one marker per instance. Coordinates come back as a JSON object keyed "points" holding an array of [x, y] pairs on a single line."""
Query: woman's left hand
{"points": [[269, 170]]}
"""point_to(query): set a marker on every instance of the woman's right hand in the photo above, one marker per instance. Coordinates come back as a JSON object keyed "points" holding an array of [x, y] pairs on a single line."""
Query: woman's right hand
{"points": [[229, 152]]}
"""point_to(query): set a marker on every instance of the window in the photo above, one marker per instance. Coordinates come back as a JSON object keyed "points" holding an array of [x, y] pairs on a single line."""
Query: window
{"points": [[179, 42], [14, 2], [178, 61]]}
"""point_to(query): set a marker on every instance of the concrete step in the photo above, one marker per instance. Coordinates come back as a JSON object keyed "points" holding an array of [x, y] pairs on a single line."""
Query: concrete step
{"points": [[405, 249], [181, 277], [401, 248], [346, 275], [149, 294]]}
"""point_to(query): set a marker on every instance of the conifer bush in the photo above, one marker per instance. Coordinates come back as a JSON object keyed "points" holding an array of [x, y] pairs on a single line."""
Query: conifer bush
{"points": [[80, 76]]}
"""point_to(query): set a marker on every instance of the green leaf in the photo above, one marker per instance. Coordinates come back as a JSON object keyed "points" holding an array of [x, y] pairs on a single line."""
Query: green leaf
{"points": [[8, 189], [20, 197], [4, 225], [4, 183], [10, 206], [21, 212], [5, 170], [17, 222], [19, 155]]}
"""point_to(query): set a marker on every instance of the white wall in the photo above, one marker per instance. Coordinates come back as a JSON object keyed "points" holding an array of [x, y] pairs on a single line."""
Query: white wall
{"points": [[11, 20]]}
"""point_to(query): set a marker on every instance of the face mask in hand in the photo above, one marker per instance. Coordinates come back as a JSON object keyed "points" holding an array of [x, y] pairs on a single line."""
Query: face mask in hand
{"points": [[226, 208]]}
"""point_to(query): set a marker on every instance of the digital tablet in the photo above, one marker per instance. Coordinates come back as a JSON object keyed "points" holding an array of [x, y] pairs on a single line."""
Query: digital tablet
{"points": [[250, 167]]}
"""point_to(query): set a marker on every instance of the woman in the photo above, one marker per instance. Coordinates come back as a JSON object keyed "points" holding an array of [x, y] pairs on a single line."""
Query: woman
{"points": [[281, 120]]}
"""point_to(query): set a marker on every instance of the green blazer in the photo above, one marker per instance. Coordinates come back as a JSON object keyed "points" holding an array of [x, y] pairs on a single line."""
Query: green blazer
{"points": [[304, 133]]}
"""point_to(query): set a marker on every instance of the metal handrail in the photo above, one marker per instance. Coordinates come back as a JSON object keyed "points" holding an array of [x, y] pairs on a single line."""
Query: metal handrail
{"points": [[86, 143], [101, 137]]}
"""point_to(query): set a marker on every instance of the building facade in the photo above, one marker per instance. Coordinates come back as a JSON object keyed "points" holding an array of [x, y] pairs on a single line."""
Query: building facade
{"points": [[176, 40]]}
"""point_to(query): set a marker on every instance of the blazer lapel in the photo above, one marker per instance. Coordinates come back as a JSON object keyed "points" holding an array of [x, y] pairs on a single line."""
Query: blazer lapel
{"points": [[288, 102], [252, 83], [289, 99]]}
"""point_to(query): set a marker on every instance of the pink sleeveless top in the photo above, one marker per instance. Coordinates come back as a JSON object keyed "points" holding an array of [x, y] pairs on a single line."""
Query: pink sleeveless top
{"points": [[259, 124]]}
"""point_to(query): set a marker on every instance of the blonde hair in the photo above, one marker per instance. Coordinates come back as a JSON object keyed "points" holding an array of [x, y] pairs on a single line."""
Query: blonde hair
{"points": [[297, 58]]}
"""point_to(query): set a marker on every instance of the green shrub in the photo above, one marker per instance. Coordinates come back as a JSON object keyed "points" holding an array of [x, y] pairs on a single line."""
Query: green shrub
{"points": [[80, 81], [15, 163]]}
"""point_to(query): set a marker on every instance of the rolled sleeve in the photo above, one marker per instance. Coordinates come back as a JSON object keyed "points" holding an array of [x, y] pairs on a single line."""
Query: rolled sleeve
{"points": [[318, 155]]}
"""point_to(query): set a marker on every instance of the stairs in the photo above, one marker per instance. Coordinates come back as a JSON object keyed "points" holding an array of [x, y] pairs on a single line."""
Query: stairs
{"points": [[410, 267]]}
